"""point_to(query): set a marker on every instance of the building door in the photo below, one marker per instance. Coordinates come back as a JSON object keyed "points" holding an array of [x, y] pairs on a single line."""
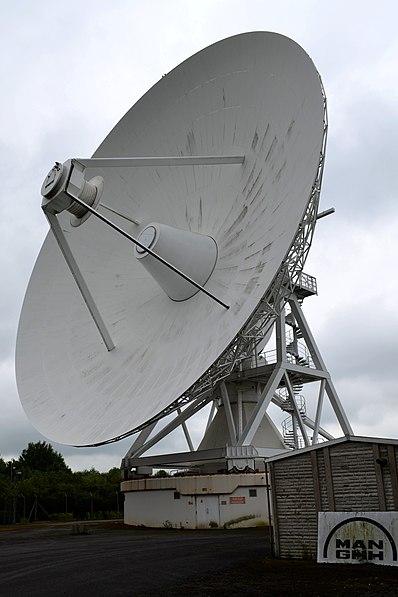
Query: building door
{"points": [[207, 511]]}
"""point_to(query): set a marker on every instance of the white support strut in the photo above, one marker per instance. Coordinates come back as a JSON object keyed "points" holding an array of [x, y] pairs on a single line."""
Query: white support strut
{"points": [[140, 162], [319, 363], [80, 281]]}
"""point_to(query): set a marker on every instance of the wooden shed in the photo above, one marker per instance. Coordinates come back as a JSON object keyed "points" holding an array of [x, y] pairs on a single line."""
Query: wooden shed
{"points": [[349, 474]]}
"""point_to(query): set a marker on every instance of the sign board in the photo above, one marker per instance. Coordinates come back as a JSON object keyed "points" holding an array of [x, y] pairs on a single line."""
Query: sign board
{"points": [[237, 500], [355, 537]]}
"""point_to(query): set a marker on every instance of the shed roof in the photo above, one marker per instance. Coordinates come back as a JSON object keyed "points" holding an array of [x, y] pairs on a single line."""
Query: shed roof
{"points": [[333, 442]]}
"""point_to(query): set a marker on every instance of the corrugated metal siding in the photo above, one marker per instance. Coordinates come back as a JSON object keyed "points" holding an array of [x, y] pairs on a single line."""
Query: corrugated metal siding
{"points": [[322, 475], [296, 513], [390, 474], [354, 479]]}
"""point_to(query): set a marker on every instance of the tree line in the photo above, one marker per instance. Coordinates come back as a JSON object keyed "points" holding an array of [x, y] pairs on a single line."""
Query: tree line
{"points": [[40, 486]]}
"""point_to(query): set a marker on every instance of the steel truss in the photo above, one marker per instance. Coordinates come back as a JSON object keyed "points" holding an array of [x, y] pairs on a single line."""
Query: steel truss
{"points": [[278, 376]]}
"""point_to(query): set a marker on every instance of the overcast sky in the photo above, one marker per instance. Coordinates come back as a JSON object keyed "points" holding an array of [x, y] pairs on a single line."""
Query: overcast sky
{"points": [[70, 71]]}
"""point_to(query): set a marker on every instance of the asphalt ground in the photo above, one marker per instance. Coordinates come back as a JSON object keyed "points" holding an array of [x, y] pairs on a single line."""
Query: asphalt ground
{"points": [[109, 558], [114, 559]]}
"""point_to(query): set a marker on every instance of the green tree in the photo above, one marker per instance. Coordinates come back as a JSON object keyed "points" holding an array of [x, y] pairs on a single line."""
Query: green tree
{"points": [[161, 473], [41, 456], [3, 468], [40, 486]]}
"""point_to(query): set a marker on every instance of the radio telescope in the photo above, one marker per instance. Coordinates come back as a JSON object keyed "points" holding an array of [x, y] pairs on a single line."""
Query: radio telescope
{"points": [[172, 254]]}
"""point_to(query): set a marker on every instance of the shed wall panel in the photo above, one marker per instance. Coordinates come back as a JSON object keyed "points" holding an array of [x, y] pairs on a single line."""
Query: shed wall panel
{"points": [[352, 476]]}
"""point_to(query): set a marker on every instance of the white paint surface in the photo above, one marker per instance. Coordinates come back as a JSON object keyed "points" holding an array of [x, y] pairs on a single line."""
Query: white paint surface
{"points": [[358, 537], [256, 94]]}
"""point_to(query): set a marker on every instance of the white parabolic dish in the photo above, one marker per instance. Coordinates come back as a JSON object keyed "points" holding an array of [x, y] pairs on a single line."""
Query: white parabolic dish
{"points": [[255, 94]]}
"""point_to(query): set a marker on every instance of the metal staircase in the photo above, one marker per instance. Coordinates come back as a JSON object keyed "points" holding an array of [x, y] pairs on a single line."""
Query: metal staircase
{"points": [[299, 362]]}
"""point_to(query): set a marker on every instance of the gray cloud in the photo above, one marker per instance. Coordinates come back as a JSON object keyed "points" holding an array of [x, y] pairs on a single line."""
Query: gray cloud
{"points": [[71, 71]]}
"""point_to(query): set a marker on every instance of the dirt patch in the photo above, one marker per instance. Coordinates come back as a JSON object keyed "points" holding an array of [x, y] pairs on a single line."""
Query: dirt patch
{"points": [[279, 578]]}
